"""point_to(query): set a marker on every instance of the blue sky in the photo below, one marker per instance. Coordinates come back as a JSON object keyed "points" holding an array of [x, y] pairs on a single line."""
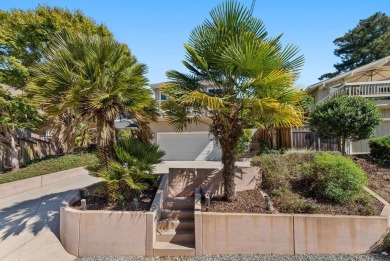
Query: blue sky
{"points": [[156, 30]]}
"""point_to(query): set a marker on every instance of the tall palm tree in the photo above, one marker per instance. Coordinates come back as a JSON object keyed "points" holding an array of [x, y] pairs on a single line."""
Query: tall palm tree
{"points": [[96, 79], [253, 76]]}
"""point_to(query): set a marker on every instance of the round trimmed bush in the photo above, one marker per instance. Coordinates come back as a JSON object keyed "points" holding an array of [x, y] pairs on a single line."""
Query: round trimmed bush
{"points": [[335, 178], [380, 149]]}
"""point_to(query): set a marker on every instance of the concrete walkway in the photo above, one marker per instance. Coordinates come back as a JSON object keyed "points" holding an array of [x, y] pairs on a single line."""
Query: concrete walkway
{"points": [[29, 222]]}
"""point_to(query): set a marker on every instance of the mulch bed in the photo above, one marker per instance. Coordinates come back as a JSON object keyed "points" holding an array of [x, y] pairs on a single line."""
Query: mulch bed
{"points": [[353, 208], [378, 176], [95, 202], [249, 201]]}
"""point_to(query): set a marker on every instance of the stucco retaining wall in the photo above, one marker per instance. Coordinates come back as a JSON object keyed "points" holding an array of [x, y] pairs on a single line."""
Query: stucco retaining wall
{"points": [[154, 216], [94, 233], [324, 234], [19, 186], [106, 233], [116, 233], [227, 233], [245, 233]]}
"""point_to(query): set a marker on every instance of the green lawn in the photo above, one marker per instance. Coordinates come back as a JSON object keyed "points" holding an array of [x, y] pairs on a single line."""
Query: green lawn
{"points": [[49, 166]]}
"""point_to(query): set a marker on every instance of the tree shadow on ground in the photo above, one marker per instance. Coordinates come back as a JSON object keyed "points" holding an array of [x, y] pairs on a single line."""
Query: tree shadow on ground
{"points": [[32, 215]]}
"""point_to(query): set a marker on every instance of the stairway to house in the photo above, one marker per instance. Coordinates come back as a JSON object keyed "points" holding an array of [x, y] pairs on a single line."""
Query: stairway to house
{"points": [[176, 229]]}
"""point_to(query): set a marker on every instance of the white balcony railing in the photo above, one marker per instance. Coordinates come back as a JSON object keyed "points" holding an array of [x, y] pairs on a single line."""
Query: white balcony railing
{"points": [[379, 89]]}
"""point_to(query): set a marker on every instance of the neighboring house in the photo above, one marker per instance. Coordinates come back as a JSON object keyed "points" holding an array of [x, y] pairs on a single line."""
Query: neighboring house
{"points": [[371, 81], [194, 143]]}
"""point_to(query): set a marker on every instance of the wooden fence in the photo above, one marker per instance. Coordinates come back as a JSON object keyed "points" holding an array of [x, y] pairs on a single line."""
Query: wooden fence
{"points": [[30, 148], [303, 138], [281, 137], [297, 138]]}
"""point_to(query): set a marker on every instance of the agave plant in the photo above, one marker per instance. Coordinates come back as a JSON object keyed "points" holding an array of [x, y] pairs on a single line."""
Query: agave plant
{"points": [[131, 171]]}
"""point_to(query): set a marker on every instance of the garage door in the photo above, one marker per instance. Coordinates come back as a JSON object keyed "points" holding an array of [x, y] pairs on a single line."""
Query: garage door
{"points": [[188, 146]]}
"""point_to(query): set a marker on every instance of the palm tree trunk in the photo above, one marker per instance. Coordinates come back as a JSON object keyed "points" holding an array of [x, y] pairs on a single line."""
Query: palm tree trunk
{"points": [[106, 139], [228, 131], [228, 161]]}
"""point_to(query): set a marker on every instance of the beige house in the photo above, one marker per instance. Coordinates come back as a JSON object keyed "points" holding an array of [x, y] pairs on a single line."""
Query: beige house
{"points": [[371, 81], [194, 143]]}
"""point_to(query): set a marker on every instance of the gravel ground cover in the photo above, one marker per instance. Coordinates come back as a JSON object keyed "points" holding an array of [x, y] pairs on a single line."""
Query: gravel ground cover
{"points": [[367, 257]]}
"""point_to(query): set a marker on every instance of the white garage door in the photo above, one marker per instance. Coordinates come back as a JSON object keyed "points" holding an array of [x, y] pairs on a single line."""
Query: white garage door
{"points": [[188, 146]]}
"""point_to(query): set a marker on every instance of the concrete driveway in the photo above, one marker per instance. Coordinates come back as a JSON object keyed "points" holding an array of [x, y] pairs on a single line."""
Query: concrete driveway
{"points": [[29, 222]]}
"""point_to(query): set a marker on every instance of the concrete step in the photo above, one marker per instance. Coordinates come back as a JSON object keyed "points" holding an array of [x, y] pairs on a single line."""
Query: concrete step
{"points": [[179, 203], [176, 224], [177, 214], [172, 236], [169, 249]]}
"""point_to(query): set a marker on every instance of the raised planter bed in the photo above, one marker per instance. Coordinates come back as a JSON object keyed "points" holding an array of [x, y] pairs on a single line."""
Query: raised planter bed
{"points": [[117, 233], [246, 233], [104, 233]]}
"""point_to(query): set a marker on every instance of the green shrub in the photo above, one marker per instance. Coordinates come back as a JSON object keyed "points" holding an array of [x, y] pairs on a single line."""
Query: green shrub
{"points": [[274, 174], [380, 149], [386, 242], [246, 137], [278, 170], [362, 204], [334, 177], [265, 149], [287, 202]]}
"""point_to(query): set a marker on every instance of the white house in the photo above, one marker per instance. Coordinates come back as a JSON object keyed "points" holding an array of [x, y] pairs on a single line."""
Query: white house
{"points": [[371, 81]]}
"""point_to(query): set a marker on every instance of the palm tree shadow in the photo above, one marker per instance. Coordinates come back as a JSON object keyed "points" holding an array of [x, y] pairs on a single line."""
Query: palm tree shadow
{"points": [[32, 215]]}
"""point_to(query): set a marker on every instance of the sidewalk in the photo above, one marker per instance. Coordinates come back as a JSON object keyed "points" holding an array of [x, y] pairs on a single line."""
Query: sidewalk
{"points": [[29, 222]]}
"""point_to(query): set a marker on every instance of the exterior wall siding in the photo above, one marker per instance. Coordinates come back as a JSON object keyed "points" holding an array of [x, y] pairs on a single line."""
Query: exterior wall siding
{"points": [[361, 147], [162, 126]]}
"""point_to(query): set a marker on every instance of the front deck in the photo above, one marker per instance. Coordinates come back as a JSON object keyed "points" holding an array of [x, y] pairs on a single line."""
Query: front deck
{"points": [[379, 90]]}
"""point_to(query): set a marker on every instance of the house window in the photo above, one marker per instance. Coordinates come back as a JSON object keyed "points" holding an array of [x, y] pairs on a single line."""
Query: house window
{"points": [[163, 97], [211, 91]]}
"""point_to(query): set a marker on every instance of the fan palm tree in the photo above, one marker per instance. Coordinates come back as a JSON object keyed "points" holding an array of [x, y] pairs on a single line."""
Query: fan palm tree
{"points": [[132, 169], [253, 76], [95, 79]]}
